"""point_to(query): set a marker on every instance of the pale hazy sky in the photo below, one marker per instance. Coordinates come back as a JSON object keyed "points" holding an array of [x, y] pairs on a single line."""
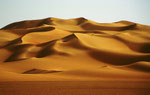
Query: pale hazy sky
{"points": [[97, 10]]}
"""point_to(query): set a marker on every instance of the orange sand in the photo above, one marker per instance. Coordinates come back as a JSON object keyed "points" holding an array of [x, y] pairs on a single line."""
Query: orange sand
{"points": [[55, 49]]}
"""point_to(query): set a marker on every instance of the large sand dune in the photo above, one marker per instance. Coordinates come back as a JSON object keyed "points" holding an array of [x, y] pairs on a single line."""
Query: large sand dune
{"points": [[54, 49]]}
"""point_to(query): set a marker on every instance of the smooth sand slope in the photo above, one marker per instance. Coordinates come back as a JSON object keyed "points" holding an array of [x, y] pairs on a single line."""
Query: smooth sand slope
{"points": [[54, 49]]}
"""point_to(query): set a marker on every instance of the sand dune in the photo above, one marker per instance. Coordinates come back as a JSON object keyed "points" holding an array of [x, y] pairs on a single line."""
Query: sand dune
{"points": [[80, 49]]}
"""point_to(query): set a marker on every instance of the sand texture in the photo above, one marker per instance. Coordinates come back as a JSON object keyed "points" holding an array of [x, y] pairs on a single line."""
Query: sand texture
{"points": [[75, 88], [78, 49]]}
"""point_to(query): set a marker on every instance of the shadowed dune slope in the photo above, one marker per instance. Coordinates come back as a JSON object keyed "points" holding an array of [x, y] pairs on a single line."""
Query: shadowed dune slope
{"points": [[80, 49], [38, 71]]}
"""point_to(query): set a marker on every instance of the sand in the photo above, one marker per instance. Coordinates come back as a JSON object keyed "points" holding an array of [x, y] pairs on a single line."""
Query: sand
{"points": [[77, 49], [75, 88]]}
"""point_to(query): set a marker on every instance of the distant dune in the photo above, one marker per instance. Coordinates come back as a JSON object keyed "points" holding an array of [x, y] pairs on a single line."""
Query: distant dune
{"points": [[54, 49]]}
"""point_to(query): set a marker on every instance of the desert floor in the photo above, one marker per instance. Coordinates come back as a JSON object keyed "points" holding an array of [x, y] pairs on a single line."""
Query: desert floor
{"points": [[75, 88]]}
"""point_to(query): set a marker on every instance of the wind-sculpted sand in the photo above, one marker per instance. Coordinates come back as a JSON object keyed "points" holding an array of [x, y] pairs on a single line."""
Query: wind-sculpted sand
{"points": [[54, 49]]}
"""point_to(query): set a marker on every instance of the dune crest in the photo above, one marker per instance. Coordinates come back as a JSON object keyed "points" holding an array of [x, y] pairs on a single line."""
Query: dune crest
{"points": [[39, 71], [75, 45]]}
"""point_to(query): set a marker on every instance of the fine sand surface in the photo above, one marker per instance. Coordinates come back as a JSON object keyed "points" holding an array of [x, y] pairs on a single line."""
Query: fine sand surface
{"points": [[75, 88], [78, 49]]}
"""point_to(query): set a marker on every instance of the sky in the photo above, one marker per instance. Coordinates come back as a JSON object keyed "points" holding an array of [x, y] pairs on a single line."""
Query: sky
{"points": [[102, 11]]}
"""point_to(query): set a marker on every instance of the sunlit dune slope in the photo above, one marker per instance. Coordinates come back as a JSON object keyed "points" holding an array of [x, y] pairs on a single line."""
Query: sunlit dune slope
{"points": [[74, 49]]}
